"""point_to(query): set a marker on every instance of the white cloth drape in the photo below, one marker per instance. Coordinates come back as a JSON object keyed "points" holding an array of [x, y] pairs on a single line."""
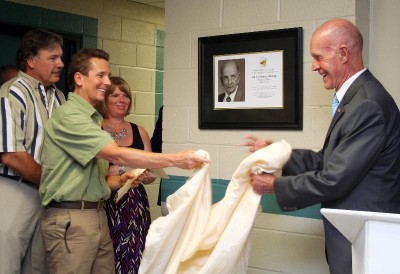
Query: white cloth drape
{"points": [[198, 237]]}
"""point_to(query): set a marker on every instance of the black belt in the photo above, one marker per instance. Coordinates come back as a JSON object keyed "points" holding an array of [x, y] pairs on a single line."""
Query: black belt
{"points": [[16, 178], [77, 204]]}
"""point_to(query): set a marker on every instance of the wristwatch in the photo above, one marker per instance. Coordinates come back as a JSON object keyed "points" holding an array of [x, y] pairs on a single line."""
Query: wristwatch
{"points": [[121, 169]]}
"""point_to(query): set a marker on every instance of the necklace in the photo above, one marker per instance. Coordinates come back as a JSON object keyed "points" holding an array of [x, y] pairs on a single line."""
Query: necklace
{"points": [[117, 136]]}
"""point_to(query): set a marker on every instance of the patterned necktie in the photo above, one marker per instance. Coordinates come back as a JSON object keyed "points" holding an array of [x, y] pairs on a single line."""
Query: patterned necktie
{"points": [[335, 104], [228, 99]]}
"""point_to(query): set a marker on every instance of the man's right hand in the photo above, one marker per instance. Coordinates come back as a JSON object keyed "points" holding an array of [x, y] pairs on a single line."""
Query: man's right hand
{"points": [[187, 159]]}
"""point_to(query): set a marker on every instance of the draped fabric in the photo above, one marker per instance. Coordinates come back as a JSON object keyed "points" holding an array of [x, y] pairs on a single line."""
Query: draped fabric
{"points": [[198, 237]]}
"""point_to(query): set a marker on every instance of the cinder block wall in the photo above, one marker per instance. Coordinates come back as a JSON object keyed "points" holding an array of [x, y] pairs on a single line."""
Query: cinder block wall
{"points": [[281, 244], [133, 35]]}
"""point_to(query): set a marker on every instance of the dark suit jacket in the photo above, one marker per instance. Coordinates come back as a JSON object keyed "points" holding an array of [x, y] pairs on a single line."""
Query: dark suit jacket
{"points": [[239, 97], [358, 167]]}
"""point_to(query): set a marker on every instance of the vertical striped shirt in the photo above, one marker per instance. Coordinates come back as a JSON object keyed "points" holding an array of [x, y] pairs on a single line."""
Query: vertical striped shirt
{"points": [[25, 106]]}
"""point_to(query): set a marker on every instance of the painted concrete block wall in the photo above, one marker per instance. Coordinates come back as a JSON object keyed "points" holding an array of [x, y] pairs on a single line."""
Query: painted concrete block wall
{"points": [[277, 238], [281, 244], [133, 35], [385, 42]]}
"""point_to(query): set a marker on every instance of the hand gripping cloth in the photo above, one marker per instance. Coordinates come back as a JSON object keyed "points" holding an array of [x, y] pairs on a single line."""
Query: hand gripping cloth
{"points": [[198, 237]]}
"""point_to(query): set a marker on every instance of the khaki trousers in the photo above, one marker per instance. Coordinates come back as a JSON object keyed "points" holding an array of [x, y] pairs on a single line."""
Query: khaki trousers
{"points": [[77, 241]]}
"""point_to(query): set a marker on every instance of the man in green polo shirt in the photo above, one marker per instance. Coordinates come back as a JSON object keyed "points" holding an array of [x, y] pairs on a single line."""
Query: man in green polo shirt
{"points": [[76, 155], [26, 102]]}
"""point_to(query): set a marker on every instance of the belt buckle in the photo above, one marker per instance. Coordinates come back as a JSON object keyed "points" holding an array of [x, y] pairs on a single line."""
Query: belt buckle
{"points": [[100, 204]]}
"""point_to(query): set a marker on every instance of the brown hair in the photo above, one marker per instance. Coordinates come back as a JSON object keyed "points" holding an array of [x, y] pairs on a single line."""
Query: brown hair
{"points": [[116, 82], [32, 42], [80, 62]]}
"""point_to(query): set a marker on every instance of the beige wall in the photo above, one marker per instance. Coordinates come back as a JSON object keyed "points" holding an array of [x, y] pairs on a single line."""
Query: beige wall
{"points": [[128, 32], [277, 239], [281, 244], [385, 44]]}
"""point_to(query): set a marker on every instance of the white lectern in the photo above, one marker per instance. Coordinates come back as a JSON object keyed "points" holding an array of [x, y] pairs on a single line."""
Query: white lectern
{"points": [[375, 239]]}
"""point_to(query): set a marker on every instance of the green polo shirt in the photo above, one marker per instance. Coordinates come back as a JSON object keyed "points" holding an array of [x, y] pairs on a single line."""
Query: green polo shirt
{"points": [[70, 169]]}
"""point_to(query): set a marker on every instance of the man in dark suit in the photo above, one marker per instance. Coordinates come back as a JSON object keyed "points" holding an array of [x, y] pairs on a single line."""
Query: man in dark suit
{"points": [[358, 167], [230, 77]]}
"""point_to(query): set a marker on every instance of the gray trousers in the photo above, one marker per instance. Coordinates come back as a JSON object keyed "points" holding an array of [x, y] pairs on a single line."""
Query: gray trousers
{"points": [[21, 246]]}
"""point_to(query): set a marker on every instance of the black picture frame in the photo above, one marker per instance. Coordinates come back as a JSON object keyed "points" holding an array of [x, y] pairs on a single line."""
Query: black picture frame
{"points": [[289, 116]]}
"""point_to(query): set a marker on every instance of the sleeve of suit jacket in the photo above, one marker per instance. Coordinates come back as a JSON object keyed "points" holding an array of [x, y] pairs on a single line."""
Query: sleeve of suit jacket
{"points": [[351, 149]]}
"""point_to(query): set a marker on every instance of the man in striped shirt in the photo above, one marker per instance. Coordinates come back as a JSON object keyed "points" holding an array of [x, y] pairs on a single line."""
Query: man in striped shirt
{"points": [[26, 102]]}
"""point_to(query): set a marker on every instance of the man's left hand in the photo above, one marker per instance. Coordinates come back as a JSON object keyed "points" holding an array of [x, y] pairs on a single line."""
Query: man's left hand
{"points": [[263, 183]]}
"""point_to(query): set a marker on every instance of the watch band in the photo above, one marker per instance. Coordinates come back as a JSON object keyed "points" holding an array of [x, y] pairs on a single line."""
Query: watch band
{"points": [[121, 169]]}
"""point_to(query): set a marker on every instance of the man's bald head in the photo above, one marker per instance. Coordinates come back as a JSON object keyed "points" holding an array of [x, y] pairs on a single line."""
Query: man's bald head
{"points": [[339, 32], [336, 48]]}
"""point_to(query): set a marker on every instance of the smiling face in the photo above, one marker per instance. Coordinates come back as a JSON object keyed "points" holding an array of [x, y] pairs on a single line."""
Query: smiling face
{"points": [[46, 66], [92, 87], [327, 62], [117, 103], [336, 48]]}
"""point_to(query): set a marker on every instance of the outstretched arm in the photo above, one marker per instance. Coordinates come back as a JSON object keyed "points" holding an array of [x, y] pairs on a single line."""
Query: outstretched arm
{"points": [[131, 157]]}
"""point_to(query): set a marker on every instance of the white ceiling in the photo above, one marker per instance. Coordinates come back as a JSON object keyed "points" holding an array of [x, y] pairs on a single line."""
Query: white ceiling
{"points": [[155, 3]]}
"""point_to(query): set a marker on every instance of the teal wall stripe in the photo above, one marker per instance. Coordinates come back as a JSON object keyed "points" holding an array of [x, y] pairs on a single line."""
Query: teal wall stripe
{"points": [[89, 41], [159, 88], [90, 26], [20, 14], [57, 20], [160, 35], [36, 17], [268, 202]]}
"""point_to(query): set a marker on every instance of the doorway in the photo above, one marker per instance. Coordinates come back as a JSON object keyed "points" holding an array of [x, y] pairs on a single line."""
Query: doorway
{"points": [[10, 36]]}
